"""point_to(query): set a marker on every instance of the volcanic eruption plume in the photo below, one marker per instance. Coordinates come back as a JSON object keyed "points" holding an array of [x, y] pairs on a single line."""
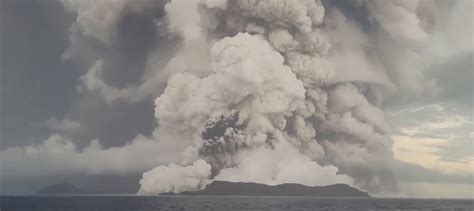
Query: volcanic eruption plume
{"points": [[277, 91]]}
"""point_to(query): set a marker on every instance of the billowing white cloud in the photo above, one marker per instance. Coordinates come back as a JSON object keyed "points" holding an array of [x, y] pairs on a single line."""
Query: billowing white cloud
{"points": [[284, 164], [173, 178], [93, 81], [60, 156], [258, 91], [100, 19], [65, 125], [283, 85]]}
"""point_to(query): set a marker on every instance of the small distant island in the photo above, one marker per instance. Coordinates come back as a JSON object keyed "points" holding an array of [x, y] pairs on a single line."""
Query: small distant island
{"points": [[222, 188]]}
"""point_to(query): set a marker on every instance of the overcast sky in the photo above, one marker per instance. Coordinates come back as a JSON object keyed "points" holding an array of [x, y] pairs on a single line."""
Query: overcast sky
{"points": [[46, 104]]}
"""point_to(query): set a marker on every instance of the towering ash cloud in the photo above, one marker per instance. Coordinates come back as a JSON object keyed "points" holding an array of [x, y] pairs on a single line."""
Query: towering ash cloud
{"points": [[272, 91]]}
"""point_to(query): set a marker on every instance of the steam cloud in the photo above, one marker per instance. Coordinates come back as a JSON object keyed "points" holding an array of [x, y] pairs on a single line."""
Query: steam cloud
{"points": [[287, 91]]}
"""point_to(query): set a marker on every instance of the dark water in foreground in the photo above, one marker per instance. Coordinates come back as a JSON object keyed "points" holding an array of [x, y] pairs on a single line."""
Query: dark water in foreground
{"points": [[136, 203]]}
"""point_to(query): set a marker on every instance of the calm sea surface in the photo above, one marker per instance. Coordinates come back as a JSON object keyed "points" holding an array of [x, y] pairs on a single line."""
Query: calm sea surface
{"points": [[135, 203]]}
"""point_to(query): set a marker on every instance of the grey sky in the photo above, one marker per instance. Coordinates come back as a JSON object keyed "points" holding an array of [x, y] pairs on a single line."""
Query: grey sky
{"points": [[35, 83]]}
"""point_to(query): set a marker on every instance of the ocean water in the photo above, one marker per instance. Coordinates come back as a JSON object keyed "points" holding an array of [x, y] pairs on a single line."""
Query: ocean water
{"points": [[142, 203]]}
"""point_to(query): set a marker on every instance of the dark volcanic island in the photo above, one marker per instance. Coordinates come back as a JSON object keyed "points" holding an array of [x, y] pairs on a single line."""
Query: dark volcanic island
{"points": [[254, 189], [221, 188]]}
